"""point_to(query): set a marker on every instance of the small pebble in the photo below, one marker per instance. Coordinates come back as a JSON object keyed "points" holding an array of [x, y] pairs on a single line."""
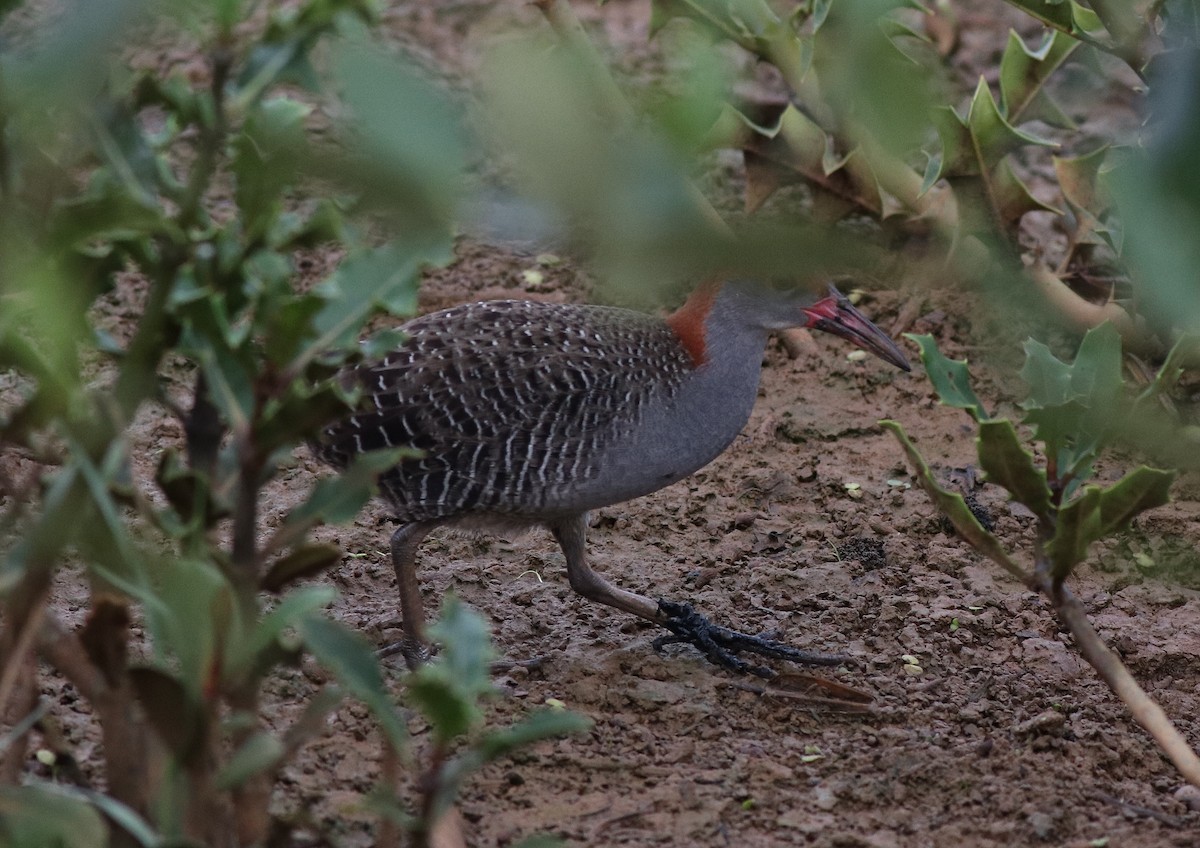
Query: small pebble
{"points": [[1042, 824], [1189, 795]]}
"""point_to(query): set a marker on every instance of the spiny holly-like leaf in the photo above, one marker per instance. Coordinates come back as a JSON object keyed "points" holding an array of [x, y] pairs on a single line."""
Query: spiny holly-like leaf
{"points": [[1048, 377], [1074, 408], [1096, 372], [1099, 512], [950, 377], [1136, 492], [975, 144], [952, 505], [1012, 197], [1008, 464], [791, 142], [1078, 526], [752, 24], [1069, 16], [1078, 178], [1023, 75]]}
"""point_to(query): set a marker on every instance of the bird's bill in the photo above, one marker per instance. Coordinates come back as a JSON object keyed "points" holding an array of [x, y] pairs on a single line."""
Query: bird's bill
{"points": [[836, 314]]}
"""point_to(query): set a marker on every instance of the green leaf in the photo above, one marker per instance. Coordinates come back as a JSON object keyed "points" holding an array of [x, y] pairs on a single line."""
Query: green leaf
{"points": [[304, 561], [196, 593], [289, 327], [124, 817], [751, 24], [1069, 16], [952, 505], [230, 385], [1136, 492], [1048, 377], [336, 500], [1098, 512], [448, 690], [1078, 526], [1007, 464], [542, 724], [975, 144], [261, 752], [1075, 409], [228, 13], [366, 281], [174, 713], [466, 645], [266, 153], [351, 660], [41, 814], [974, 148], [418, 163], [1011, 198], [1079, 180], [252, 655], [1096, 373], [382, 343], [300, 412], [1023, 76], [950, 377]]}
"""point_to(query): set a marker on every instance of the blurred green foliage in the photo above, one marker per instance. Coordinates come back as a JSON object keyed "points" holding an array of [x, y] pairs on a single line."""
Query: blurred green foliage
{"points": [[189, 191]]}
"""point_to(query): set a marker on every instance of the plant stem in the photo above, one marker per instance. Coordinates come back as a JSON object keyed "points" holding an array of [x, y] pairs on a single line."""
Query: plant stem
{"points": [[203, 430], [1112, 671]]}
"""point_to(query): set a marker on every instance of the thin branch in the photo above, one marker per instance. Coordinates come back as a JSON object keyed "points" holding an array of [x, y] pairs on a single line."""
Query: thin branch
{"points": [[14, 662], [63, 649], [389, 776], [1112, 671]]}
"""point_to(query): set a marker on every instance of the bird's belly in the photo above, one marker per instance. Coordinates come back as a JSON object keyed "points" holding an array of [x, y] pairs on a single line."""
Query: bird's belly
{"points": [[630, 471]]}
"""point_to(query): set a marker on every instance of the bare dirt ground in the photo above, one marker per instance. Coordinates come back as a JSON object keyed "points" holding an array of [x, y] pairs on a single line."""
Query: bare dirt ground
{"points": [[1004, 738]]}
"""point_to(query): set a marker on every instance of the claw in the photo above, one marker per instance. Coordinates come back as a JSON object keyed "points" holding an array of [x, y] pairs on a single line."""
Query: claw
{"points": [[720, 644]]}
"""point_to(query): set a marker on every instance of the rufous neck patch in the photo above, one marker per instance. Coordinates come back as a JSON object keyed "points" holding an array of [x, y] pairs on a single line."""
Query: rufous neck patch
{"points": [[688, 322]]}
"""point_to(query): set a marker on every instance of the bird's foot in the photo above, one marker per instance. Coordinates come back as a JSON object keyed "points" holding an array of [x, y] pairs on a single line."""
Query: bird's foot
{"points": [[721, 645]]}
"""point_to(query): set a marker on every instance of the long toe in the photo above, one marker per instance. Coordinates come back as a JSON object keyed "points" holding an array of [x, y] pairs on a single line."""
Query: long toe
{"points": [[721, 644]]}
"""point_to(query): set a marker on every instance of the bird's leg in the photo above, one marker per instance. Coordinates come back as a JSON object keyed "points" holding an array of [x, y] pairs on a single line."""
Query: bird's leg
{"points": [[719, 644], [571, 535], [405, 542]]}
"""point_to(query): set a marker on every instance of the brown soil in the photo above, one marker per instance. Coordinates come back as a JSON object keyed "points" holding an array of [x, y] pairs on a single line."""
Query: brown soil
{"points": [[1004, 737]]}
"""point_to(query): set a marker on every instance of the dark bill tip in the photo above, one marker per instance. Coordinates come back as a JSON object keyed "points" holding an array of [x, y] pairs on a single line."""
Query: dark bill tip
{"points": [[836, 314]]}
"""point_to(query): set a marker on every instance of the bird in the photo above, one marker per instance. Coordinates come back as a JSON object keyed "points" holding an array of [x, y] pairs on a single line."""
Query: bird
{"points": [[523, 413]]}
